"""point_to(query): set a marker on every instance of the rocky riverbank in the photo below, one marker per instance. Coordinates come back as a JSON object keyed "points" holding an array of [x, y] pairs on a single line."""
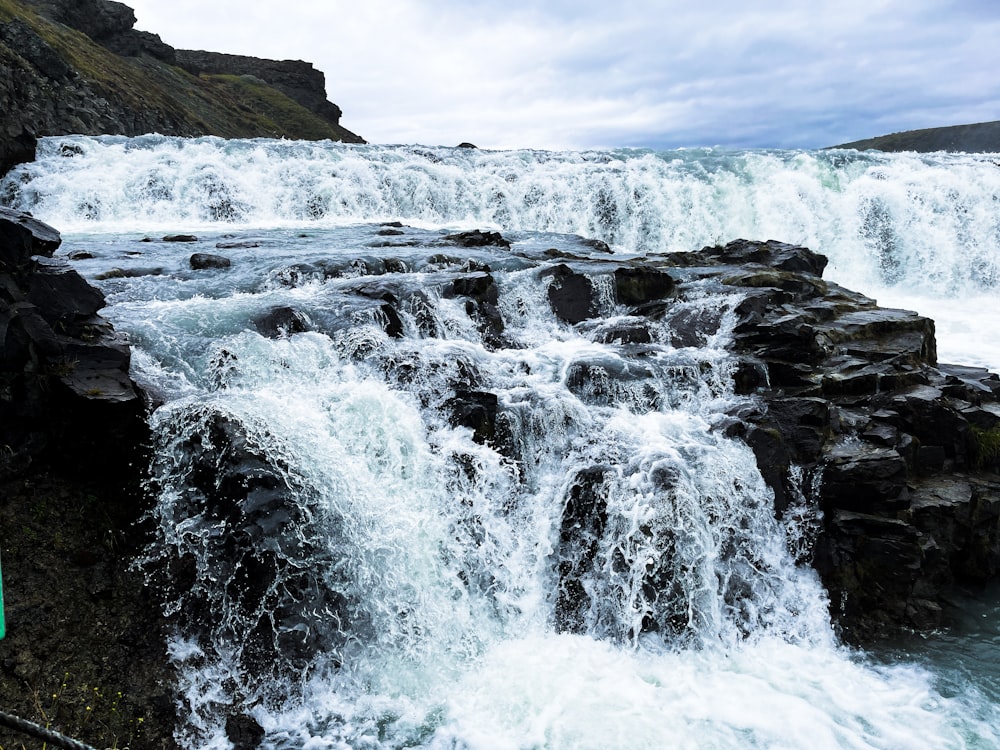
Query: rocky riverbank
{"points": [[85, 649]]}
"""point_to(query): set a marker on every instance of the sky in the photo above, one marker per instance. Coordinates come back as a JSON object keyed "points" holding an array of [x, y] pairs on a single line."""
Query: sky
{"points": [[580, 74]]}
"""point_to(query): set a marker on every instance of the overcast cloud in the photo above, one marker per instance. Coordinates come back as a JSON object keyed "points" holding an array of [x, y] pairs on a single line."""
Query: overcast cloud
{"points": [[649, 73]]}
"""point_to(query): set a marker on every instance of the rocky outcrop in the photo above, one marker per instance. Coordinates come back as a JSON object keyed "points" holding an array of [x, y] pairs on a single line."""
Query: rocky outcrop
{"points": [[983, 137], [81, 627], [903, 450], [298, 80], [79, 66]]}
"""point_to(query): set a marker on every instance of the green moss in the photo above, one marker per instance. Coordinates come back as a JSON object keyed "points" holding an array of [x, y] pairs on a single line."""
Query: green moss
{"points": [[985, 447], [227, 106], [270, 109]]}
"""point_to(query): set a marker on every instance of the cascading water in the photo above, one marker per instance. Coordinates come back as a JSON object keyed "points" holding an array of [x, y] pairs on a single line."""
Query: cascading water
{"points": [[396, 512]]}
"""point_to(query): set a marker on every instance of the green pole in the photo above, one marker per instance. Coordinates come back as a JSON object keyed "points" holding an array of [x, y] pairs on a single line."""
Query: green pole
{"points": [[3, 627]]}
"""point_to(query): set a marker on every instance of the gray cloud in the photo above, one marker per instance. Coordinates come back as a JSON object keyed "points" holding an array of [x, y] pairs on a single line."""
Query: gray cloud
{"points": [[580, 74]]}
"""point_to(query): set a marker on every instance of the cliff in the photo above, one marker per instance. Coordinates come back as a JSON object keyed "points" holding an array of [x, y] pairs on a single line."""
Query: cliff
{"points": [[79, 66], [979, 138]]}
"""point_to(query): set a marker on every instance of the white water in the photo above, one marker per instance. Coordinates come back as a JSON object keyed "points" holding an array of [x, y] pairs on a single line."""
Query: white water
{"points": [[443, 554]]}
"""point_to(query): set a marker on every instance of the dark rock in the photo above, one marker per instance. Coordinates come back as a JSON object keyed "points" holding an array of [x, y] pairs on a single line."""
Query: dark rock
{"points": [[73, 440], [476, 410], [598, 245], [201, 261], [392, 324], [251, 513], [571, 294], [626, 332], [21, 237], [638, 285], [480, 288], [465, 144], [244, 731], [581, 529], [281, 321], [477, 238], [852, 392], [128, 273], [180, 238], [237, 245]]}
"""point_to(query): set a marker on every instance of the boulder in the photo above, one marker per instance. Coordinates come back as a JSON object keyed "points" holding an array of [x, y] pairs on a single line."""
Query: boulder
{"points": [[202, 261], [571, 294]]}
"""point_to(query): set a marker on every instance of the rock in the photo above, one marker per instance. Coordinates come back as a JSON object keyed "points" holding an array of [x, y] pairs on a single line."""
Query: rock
{"points": [[202, 261], [571, 294], [476, 410], [851, 392], [581, 529], [477, 238], [180, 238], [128, 273], [237, 245], [244, 731], [281, 321], [21, 237], [73, 437], [597, 245], [252, 516], [638, 285], [480, 289]]}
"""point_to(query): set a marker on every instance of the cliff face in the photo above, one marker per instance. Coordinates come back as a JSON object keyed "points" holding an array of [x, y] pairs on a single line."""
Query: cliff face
{"points": [[79, 66]]}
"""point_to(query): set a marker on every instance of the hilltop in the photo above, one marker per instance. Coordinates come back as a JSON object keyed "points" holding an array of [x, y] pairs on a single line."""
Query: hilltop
{"points": [[978, 138], [79, 66]]}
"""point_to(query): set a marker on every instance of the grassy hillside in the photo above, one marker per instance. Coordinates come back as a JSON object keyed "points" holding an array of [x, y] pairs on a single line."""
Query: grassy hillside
{"points": [[110, 93], [983, 137]]}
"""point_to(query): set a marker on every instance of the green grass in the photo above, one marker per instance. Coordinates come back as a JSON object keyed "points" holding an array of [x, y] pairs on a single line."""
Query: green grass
{"points": [[227, 106], [985, 447]]}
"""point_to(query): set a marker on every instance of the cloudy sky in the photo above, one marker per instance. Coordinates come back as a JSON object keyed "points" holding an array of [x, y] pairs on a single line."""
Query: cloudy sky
{"points": [[594, 73]]}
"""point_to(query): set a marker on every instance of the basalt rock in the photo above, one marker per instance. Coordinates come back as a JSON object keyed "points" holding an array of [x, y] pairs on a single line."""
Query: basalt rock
{"points": [[276, 584], [203, 261], [571, 294], [906, 448], [64, 374], [73, 442]]}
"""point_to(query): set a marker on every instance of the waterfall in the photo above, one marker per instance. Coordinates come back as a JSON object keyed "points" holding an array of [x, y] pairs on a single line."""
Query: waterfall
{"points": [[401, 502]]}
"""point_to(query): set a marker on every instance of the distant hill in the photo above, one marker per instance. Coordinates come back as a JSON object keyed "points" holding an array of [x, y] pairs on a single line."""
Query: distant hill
{"points": [[983, 137], [79, 66]]}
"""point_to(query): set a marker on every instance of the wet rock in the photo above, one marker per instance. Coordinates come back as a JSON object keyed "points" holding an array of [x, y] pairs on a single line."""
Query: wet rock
{"points": [[599, 246], [244, 731], [584, 518], [476, 410], [237, 245], [128, 273], [280, 602], [571, 294], [638, 285], [180, 238], [281, 321], [852, 392], [478, 238], [202, 261], [480, 289]]}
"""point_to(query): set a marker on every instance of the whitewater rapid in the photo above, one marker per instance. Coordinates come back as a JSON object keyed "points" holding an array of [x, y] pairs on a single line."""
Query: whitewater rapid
{"points": [[919, 231], [425, 568]]}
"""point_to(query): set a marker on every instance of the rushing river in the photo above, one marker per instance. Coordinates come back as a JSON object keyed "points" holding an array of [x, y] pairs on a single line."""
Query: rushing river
{"points": [[395, 579]]}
